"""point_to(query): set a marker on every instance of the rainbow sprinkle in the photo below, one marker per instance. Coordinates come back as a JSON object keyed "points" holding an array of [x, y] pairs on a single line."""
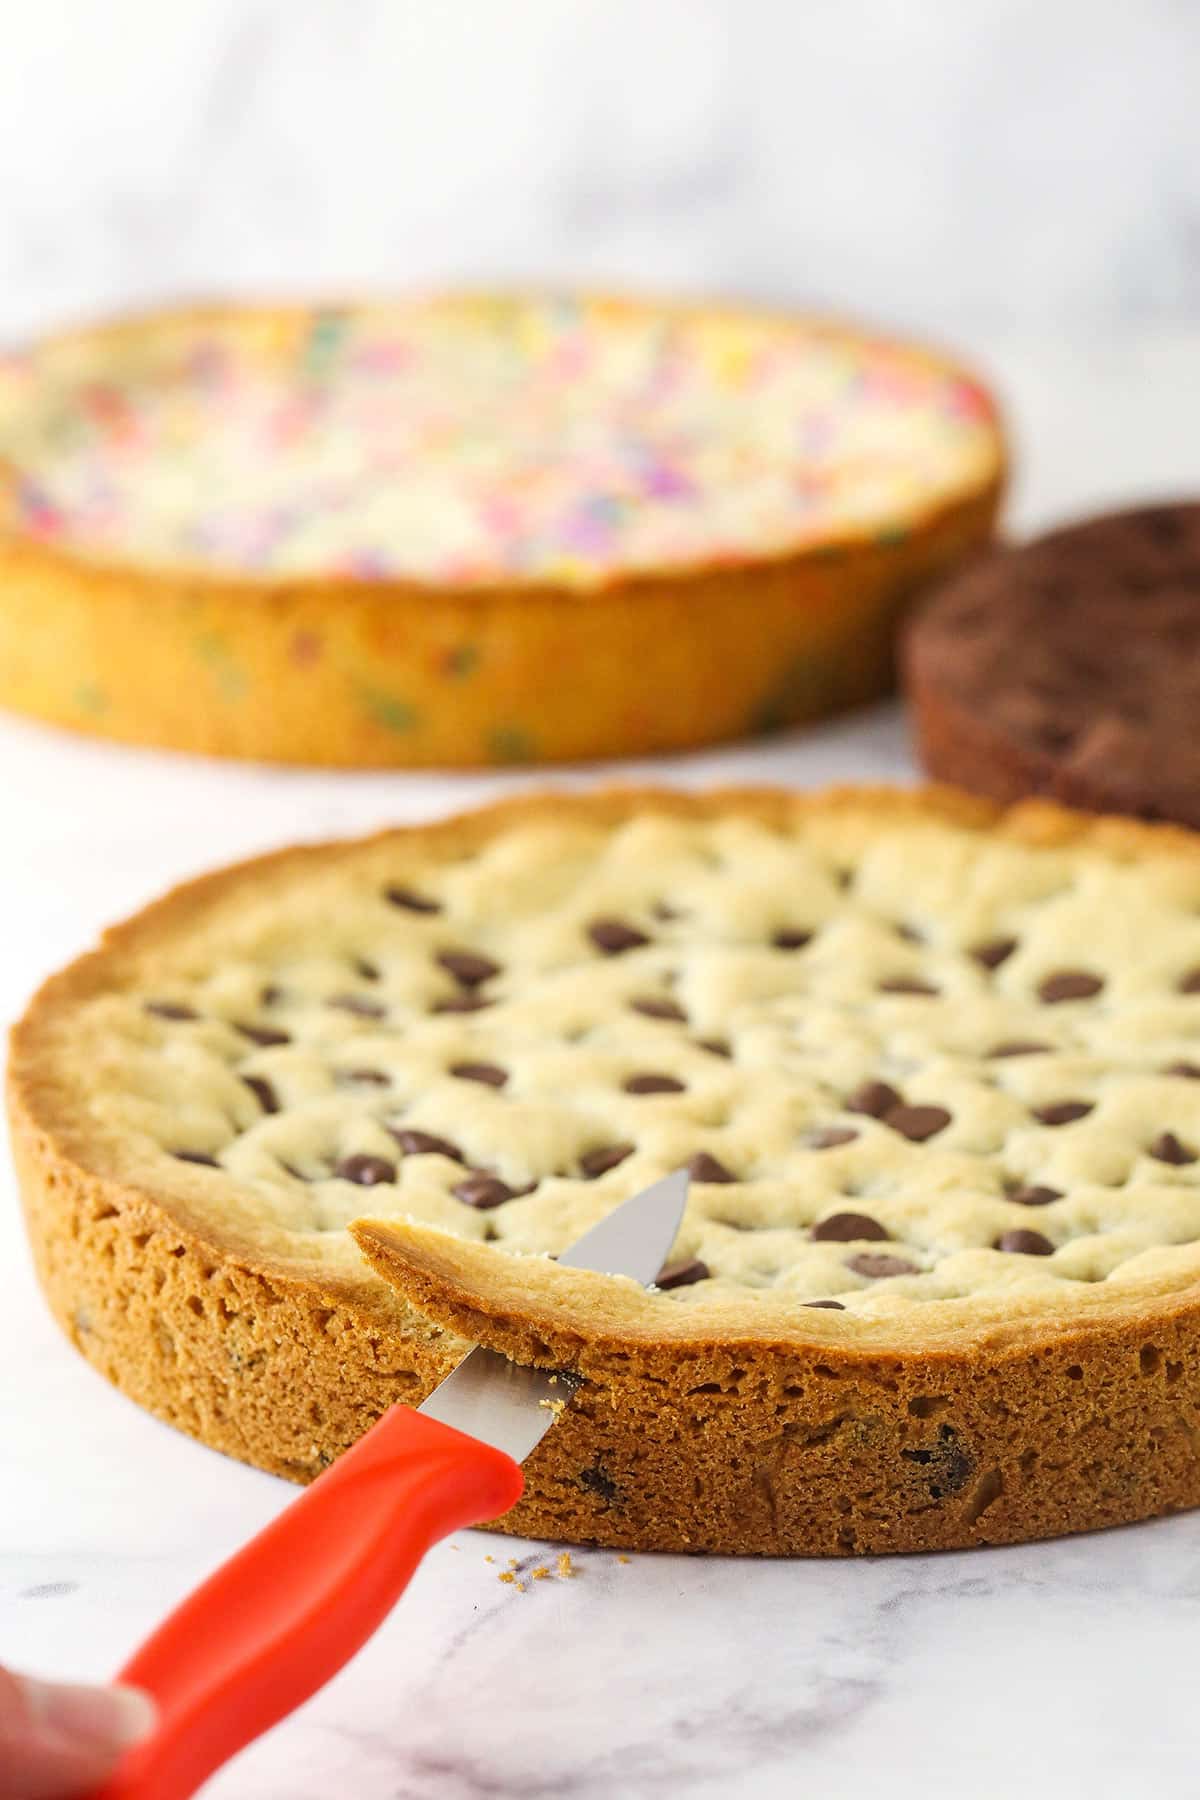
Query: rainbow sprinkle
{"points": [[471, 442]]}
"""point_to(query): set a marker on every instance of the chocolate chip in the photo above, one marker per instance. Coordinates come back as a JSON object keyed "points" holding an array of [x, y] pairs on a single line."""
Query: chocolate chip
{"points": [[654, 1006], [848, 1228], [366, 971], [358, 1004], [196, 1156], [615, 936], [651, 1083], [1170, 1149], [365, 1171], [1053, 735], [1022, 1242], [993, 952], [170, 1009], [877, 1267], [462, 1003], [270, 995], [1187, 1071], [1034, 1196], [266, 1035], [263, 1092], [704, 1167], [411, 901], [908, 984], [424, 1143], [946, 1460], [485, 1191], [681, 1274], [714, 1046], [594, 1163], [468, 967], [1069, 984], [792, 940], [874, 1098], [598, 1481], [488, 1073], [1064, 1112], [1020, 1047], [830, 1137], [917, 1123], [829, 1305], [1190, 983]]}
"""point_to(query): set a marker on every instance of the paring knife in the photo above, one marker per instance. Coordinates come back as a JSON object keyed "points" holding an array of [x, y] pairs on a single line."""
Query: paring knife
{"points": [[281, 1617]]}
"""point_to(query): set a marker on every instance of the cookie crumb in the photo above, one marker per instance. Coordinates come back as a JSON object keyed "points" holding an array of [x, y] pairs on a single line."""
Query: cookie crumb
{"points": [[506, 1575], [490, 1559], [624, 1559], [564, 1567], [541, 1573]]}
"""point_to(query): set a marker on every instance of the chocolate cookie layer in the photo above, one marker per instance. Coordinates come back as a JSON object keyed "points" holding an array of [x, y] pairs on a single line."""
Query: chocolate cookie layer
{"points": [[1071, 668]]}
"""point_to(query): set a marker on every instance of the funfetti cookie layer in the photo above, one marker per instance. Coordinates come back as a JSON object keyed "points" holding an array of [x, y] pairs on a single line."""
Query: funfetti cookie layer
{"points": [[366, 534]]}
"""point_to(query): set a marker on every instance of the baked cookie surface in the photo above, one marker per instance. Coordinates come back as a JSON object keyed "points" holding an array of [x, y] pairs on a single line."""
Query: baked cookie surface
{"points": [[936, 1073], [470, 442], [398, 514], [1070, 667]]}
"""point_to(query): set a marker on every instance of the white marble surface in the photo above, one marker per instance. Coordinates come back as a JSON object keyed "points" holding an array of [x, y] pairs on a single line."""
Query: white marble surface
{"points": [[1057, 1670], [1025, 185], [958, 168]]}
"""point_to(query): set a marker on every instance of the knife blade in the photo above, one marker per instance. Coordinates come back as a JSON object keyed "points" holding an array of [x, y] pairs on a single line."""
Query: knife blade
{"points": [[511, 1407], [284, 1614]]}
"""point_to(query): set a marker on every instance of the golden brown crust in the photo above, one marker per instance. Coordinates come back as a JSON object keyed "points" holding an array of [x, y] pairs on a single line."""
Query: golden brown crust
{"points": [[355, 674], [764, 1447], [751, 1441], [537, 1313]]}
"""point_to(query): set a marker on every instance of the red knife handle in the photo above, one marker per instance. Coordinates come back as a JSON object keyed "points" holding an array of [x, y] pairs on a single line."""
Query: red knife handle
{"points": [[276, 1621]]}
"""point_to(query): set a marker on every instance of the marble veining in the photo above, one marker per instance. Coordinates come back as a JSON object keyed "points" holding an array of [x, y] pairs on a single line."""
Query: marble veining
{"points": [[954, 169]]}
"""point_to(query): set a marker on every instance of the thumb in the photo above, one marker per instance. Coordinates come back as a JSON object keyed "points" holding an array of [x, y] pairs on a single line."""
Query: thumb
{"points": [[57, 1738]]}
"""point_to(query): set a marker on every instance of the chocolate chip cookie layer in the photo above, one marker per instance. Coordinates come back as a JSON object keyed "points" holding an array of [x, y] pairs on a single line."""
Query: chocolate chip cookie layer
{"points": [[1071, 668], [933, 1070]]}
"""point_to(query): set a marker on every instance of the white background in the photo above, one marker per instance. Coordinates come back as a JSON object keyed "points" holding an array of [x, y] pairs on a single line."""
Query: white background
{"points": [[975, 167], [1021, 179]]}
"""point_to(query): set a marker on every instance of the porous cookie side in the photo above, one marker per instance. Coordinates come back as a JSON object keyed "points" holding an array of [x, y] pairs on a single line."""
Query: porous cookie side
{"points": [[344, 670], [773, 1448], [392, 676], [281, 1372]]}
